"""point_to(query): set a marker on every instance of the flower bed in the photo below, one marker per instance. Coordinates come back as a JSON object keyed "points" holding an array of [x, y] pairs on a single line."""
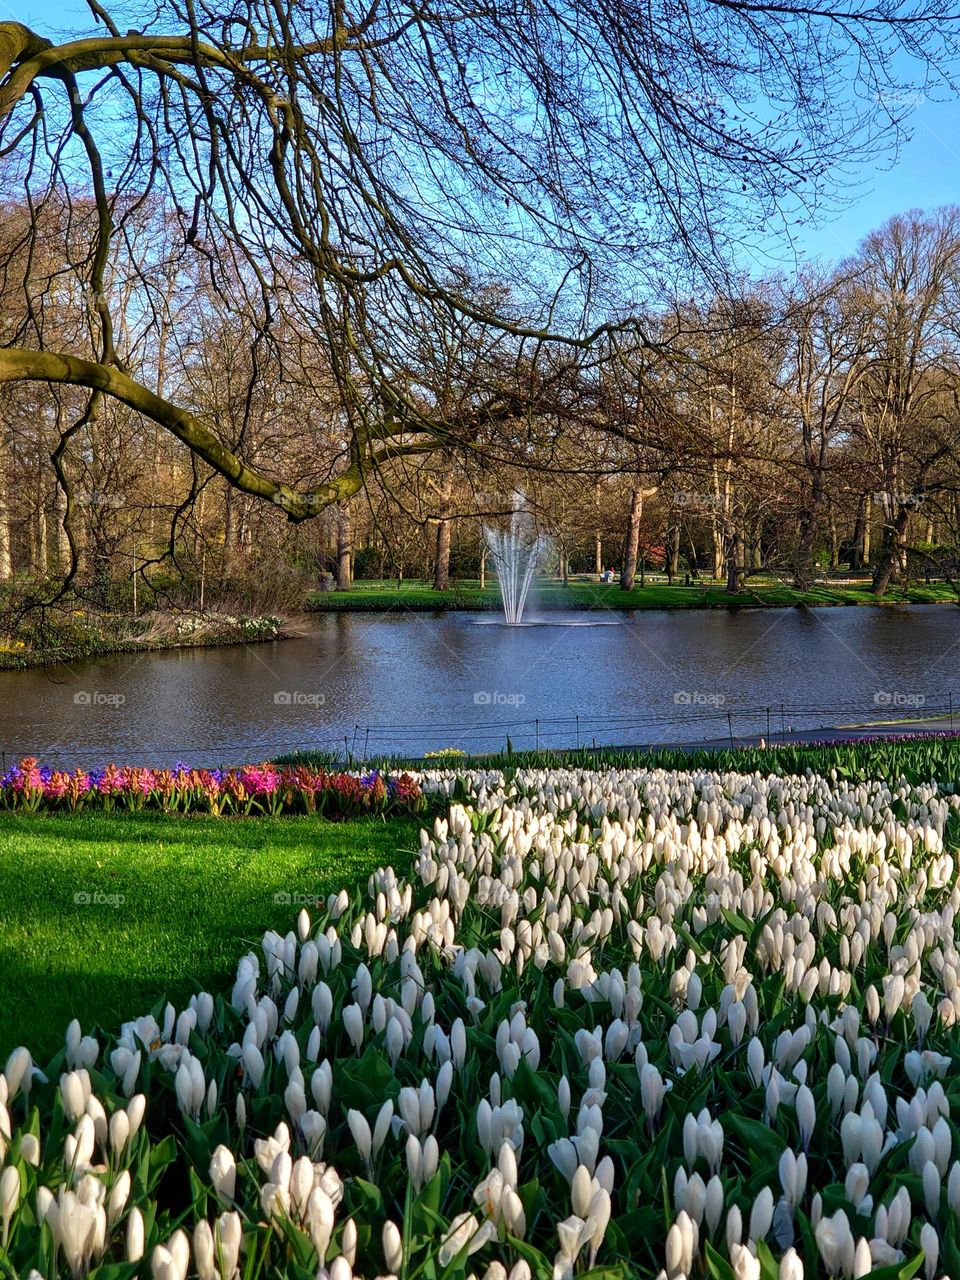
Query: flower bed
{"points": [[251, 789], [619, 1024]]}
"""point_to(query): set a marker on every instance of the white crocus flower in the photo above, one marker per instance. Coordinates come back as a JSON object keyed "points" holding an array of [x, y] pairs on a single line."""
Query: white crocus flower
{"points": [[836, 1244], [791, 1266], [353, 1024], [223, 1174], [930, 1244], [467, 1233], [392, 1243], [9, 1199], [134, 1240]]}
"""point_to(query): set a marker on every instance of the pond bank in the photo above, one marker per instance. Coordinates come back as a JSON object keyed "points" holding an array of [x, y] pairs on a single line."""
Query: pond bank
{"points": [[591, 597], [185, 631]]}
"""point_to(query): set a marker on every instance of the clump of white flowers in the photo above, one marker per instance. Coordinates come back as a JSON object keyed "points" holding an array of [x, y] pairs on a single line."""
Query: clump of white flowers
{"points": [[654, 1023]]}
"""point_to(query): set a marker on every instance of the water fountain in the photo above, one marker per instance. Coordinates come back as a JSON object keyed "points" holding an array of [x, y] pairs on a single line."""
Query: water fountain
{"points": [[516, 552]]}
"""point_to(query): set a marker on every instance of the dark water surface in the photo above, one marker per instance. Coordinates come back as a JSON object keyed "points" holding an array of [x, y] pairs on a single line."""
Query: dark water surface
{"points": [[412, 682]]}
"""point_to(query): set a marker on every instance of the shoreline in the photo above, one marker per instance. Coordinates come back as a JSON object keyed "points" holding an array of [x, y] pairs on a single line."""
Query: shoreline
{"points": [[31, 661], [590, 598]]}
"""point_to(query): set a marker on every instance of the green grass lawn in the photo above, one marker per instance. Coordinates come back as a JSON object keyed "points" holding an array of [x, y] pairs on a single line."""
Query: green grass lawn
{"points": [[590, 595], [196, 892]]}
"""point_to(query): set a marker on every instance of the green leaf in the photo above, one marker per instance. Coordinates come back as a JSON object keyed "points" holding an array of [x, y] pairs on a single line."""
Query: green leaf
{"points": [[899, 1270], [758, 1139], [737, 922], [769, 1267], [717, 1265]]}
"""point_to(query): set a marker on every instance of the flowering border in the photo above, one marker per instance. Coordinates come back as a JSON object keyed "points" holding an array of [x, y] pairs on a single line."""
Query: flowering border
{"points": [[30, 787]]}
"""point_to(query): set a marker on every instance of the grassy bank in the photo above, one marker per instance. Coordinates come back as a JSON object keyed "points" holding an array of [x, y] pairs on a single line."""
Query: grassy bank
{"points": [[102, 915], [78, 637], [916, 759], [583, 594]]}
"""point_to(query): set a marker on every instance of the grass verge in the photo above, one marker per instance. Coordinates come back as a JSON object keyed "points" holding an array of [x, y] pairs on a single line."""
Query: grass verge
{"points": [[590, 596], [917, 759], [180, 900]]}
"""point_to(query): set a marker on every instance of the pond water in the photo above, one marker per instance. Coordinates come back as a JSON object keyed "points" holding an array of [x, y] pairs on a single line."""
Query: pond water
{"points": [[409, 682]]}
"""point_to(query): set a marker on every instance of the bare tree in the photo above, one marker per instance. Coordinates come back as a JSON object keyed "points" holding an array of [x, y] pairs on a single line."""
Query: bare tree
{"points": [[825, 356], [325, 165], [907, 417]]}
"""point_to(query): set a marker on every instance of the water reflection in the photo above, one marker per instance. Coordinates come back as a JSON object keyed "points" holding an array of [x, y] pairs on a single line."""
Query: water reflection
{"points": [[410, 682]]}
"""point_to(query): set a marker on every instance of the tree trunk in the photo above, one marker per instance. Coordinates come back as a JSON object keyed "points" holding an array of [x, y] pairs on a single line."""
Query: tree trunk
{"points": [[40, 566], [859, 528], [673, 553], [631, 541], [803, 568], [6, 561], [62, 541], [806, 543], [229, 531], [598, 555], [344, 548], [892, 550], [692, 557], [483, 567], [718, 559], [731, 550], [865, 542], [834, 542], [441, 561]]}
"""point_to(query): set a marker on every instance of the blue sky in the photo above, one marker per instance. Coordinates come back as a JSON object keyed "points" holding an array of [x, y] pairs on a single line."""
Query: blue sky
{"points": [[926, 173]]}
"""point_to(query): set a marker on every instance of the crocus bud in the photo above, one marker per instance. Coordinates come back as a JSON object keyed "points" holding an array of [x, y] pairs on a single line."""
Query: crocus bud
{"points": [[930, 1244], [30, 1148], [135, 1235], [117, 1199], [223, 1174], [806, 1114], [9, 1197], [744, 1264], [204, 1250], [353, 1024], [360, 1132], [229, 1235], [761, 1216], [791, 1266], [835, 1242], [348, 1240], [18, 1072], [72, 1095], [392, 1247], [320, 1220]]}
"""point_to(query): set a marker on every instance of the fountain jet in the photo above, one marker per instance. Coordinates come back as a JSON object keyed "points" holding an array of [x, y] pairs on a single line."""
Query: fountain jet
{"points": [[516, 552]]}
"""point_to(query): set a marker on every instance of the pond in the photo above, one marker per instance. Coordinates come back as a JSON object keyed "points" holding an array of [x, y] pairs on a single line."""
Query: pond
{"points": [[410, 682]]}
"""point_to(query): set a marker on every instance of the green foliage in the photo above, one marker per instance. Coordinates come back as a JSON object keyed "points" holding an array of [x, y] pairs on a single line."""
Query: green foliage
{"points": [[591, 595], [195, 892]]}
